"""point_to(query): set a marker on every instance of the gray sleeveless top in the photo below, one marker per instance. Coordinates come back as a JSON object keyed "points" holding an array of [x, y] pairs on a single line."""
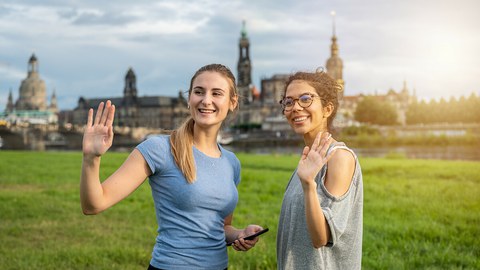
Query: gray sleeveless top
{"points": [[344, 216]]}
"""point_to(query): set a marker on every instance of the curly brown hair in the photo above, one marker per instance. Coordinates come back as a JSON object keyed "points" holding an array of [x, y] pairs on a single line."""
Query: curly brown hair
{"points": [[325, 86]]}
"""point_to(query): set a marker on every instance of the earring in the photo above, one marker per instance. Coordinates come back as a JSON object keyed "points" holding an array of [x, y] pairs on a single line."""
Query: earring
{"points": [[188, 106]]}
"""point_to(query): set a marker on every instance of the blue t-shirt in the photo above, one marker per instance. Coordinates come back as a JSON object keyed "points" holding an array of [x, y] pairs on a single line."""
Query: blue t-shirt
{"points": [[191, 216]]}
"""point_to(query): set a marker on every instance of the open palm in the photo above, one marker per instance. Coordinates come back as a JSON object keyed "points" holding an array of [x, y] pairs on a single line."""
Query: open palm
{"points": [[313, 158], [98, 134]]}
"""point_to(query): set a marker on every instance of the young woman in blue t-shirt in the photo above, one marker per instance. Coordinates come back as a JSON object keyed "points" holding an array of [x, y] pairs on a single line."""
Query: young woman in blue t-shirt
{"points": [[193, 179]]}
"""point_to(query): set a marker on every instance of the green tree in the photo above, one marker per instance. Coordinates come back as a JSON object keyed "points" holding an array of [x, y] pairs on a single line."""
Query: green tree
{"points": [[371, 110]]}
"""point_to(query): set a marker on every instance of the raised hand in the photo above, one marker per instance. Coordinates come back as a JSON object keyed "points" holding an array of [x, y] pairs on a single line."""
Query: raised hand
{"points": [[98, 134], [314, 158]]}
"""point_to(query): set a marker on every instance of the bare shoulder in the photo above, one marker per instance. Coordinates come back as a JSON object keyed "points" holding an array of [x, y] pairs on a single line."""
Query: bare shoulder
{"points": [[340, 172]]}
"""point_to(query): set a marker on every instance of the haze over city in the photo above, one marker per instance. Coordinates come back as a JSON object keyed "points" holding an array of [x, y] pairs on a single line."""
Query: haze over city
{"points": [[85, 48]]}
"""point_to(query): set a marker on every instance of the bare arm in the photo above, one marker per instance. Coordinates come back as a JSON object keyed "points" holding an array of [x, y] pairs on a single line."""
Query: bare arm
{"points": [[309, 166], [98, 137]]}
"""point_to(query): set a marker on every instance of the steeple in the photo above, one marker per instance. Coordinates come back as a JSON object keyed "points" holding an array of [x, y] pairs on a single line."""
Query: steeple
{"points": [[53, 103], [405, 89], [130, 90], [244, 67], [334, 63], [10, 105]]}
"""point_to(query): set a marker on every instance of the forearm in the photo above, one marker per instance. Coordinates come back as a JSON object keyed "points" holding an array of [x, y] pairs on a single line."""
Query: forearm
{"points": [[231, 233], [316, 222], [91, 191]]}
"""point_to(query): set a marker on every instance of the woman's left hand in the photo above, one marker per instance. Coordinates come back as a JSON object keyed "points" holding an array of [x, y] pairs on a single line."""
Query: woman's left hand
{"points": [[243, 245]]}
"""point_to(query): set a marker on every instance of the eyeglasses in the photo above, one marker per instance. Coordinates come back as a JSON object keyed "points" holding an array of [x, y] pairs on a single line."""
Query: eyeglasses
{"points": [[304, 101]]}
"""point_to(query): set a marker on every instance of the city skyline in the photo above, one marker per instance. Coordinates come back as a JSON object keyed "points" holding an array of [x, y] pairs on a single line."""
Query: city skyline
{"points": [[85, 49]]}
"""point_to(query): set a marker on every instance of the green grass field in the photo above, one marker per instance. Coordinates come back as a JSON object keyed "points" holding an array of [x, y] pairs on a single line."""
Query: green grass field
{"points": [[418, 214]]}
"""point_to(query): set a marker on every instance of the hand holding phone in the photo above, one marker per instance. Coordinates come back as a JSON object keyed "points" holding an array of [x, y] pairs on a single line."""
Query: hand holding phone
{"points": [[251, 237]]}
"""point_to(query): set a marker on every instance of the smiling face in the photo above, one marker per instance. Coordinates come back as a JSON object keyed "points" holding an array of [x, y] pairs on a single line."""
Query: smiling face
{"points": [[310, 120], [210, 99]]}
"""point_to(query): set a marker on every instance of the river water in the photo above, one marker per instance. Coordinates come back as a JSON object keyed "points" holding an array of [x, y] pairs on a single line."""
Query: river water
{"points": [[414, 152]]}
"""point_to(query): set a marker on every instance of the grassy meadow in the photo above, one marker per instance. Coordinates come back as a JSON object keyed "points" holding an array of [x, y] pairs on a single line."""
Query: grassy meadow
{"points": [[418, 214]]}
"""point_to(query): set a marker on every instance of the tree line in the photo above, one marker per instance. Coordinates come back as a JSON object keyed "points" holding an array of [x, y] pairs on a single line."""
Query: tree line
{"points": [[371, 110]]}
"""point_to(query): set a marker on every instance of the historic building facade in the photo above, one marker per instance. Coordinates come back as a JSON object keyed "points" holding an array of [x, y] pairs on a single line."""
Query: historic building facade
{"points": [[31, 106], [132, 110]]}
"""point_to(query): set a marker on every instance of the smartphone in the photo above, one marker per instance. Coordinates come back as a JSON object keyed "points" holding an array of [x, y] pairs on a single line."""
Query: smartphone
{"points": [[251, 237]]}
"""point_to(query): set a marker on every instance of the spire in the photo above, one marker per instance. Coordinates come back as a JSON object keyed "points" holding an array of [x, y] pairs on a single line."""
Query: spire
{"points": [[334, 46], [333, 22], [244, 66], [334, 63], [53, 102], [244, 29], [10, 106]]}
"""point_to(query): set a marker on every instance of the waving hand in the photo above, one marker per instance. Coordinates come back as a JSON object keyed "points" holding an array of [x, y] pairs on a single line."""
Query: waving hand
{"points": [[98, 134], [314, 158]]}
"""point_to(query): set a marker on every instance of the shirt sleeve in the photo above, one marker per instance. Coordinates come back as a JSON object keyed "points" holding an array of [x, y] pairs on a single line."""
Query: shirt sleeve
{"points": [[237, 168], [155, 150]]}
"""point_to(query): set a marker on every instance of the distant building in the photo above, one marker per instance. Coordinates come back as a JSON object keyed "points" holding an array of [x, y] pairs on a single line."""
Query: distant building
{"points": [[258, 107], [132, 110], [400, 100], [31, 106]]}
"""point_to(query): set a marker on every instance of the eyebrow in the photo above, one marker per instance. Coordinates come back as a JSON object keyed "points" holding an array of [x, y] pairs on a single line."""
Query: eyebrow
{"points": [[203, 88], [306, 93]]}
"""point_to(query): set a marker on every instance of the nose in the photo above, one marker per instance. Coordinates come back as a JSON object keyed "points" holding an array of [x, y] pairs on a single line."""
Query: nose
{"points": [[207, 99], [296, 105]]}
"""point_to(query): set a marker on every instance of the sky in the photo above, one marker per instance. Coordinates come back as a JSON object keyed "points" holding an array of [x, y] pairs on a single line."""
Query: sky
{"points": [[84, 48]]}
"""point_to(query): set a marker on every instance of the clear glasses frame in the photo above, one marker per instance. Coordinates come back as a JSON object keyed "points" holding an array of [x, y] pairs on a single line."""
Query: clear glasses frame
{"points": [[304, 101]]}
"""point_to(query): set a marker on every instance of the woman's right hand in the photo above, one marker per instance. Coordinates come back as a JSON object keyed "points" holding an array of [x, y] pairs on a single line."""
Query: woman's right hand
{"points": [[98, 134]]}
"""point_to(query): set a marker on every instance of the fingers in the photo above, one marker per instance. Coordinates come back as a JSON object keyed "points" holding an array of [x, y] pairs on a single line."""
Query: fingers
{"points": [[323, 147], [90, 118], [110, 116], [306, 149], [316, 142], [98, 116], [243, 245], [106, 112]]}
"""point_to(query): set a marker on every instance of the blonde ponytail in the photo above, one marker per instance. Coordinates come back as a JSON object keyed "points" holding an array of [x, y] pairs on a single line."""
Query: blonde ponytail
{"points": [[181, 141]]}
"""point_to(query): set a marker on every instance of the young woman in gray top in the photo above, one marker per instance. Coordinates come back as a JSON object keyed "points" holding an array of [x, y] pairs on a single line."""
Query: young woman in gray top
{"points": [[320, 224]]}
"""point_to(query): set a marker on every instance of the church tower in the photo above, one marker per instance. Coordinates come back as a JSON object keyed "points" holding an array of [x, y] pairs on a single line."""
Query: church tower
{"points": [[335, 63], [10, 105], [130, 90], [244, 78], [53, 107], [33, 94]]}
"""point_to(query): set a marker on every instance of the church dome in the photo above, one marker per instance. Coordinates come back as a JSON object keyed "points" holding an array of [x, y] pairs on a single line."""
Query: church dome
{"points": [[33, 93]]}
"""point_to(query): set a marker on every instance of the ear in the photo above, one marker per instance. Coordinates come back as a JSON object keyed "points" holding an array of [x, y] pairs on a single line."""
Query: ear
{"points": [[233, 103], [328, 110]]}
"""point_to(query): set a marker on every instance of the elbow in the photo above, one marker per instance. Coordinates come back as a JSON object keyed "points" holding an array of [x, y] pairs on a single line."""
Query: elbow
{"points": [[320, 243], [88, 211]]}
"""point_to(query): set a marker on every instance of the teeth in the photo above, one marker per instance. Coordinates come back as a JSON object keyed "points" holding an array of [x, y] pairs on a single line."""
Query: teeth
{"points": [[299, 119], [206, 111]]}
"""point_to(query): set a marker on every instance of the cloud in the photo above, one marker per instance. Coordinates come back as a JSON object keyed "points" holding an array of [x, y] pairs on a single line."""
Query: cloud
{"points": [[85, 47]]}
